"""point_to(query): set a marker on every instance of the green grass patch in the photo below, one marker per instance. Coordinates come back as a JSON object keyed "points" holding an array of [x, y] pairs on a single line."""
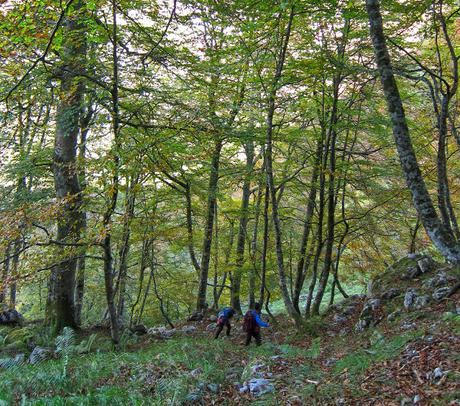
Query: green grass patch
{"points": [[357, 362]]}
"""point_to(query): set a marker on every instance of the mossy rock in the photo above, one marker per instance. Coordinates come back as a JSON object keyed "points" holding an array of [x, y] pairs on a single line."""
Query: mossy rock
{"points": [[399, 275], [20, 335]]}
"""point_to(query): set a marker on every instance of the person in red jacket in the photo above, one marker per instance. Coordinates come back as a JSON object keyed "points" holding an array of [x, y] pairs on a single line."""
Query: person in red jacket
{"points": [[252, 324]]}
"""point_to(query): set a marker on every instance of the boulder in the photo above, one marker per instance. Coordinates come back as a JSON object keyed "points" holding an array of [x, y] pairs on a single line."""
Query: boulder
{"points": [[211, 327], [411, 273], [40, 354], [391, 294], [426, 264], [196, 316], [367, 316], [259, 387], [188, 329], [340, 318], [440, 293], [161, 332], [139, 330], [194, 397], [409, 298], [393, 316], [213, 318], [213, 387], [11, 317], [421, 302]]}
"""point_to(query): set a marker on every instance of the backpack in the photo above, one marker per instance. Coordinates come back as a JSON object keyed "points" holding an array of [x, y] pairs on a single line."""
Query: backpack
{"points": [[249, 322]]}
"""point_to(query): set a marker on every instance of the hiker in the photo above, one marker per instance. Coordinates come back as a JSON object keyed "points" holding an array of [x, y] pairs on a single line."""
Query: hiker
{"points": [[252, 324], [223, 319]]}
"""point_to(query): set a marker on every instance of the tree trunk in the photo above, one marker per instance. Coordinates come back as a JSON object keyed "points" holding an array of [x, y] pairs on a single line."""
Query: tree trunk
{"points": [[5, 274], [300, 275], [438, 233], [67, 185], [207, 239], [270, 176], [125, 247], [255, 232], [241, 240]]}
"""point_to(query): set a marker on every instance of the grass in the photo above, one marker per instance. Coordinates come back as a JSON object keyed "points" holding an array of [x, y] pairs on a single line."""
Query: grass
{"points": [[357, 362]]}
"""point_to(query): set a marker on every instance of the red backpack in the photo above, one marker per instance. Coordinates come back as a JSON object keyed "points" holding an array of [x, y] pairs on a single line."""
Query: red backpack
{"points": [[249, 322]]}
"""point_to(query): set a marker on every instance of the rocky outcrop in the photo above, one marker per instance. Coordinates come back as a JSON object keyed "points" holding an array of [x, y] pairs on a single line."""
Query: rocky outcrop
{"points": [[11, 317]]}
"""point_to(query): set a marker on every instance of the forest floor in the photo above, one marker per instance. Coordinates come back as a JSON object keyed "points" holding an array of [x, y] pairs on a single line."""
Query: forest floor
{"points": [[412, 358]]}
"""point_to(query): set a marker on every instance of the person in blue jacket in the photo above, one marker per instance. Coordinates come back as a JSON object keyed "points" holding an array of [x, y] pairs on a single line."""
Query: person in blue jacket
{"points": [[223, 319], [252, 324]]}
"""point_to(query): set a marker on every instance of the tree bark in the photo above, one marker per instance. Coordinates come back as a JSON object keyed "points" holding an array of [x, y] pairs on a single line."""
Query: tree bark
{"points": [[241, 240], [67, 185], [207, 239], [438, 233], [270, 176]]}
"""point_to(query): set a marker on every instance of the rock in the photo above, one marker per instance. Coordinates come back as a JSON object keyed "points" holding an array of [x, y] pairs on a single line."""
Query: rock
{"points": [[349, 310], [409, 298], [244, 389], [367, 316], [40, 354], [426, 264], [417, 399], [421, 302], [11, 317], [440, 293], [393, 316], [188, 329], [411, 273], [139, 330], [376, 337], [211, 327], [196, 316], [20, 359], [458, 310], [408, 326], [257, 370], [213, 387], [438, 373], [196, 372], [193, 397], [213, 318], [259, 387], [340, 318], [361, 325], [391, 294], [161, 332], [330, 362]]}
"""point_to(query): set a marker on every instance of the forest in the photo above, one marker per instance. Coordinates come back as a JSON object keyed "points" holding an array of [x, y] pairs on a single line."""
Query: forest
{"points": [[163, 159]]}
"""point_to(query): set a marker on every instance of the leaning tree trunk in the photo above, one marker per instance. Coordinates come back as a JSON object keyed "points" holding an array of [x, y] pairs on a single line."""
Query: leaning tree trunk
{"points": [[67, 185], [438, 233]]}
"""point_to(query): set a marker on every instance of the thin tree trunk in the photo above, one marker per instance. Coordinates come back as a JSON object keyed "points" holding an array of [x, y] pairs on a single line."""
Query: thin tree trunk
{"points": [[207, 239], [5, 274], [300, 275], [264, 246], [81, 264], [107, 220], [270, 176], [241, 240], [253, 270], [125, 247]]}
